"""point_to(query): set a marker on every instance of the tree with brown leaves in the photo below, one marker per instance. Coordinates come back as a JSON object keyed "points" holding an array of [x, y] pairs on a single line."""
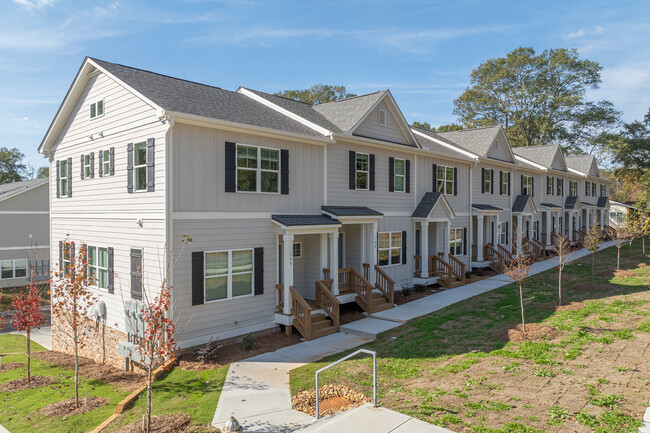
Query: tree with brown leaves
{"points": [[517, 270], [562, 249], [592, 242]]}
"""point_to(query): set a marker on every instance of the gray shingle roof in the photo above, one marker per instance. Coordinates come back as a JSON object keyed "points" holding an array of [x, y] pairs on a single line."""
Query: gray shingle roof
{"points": [[426, 204], [304, 220], [436, 147], [347, 112], [350, 211], [603, 202], [571, 202], [10, 189], [581, 163], [551, 205], [520, 203], [188, 97], [476, 140], [542, 155], [485, 207], [584, 203]]}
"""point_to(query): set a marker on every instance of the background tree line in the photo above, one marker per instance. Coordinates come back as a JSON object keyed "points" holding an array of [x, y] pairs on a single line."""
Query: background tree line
{"points": [[14, 169]]}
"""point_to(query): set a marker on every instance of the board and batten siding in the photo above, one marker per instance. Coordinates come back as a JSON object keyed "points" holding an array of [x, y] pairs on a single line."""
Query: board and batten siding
{"points": [[371, 128], [381, 199], [460, 202], [501, 201], [199, 179], [539, 183], [498, 150], [227, 318]]}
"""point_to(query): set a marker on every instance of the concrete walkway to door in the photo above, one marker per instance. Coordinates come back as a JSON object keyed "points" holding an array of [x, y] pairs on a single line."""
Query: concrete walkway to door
{"points": [[256, 390]]}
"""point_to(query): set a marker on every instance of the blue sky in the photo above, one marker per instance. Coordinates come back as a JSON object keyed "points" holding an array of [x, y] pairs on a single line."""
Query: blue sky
{"points": [[423, 51]]}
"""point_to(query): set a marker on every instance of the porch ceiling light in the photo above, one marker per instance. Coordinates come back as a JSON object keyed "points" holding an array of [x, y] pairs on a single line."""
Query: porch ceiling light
{"points": [[232, 426]]}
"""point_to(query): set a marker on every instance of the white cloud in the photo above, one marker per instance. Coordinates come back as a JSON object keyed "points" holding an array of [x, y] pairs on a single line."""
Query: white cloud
{"points": [[584, 32], [34, 4]]}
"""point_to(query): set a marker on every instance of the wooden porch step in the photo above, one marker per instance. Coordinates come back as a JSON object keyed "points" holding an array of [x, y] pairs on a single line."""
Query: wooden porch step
{"points": [[316, 333], [381, 307]]}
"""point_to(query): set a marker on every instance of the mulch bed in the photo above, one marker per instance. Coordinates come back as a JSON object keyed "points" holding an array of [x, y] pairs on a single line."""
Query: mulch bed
{"points": [[333, 399], [68, 407], [178, 422], [594, 287], [414, 295], [10, 366], [534, 332], [21, 384], [552, 306], [128, 381]]}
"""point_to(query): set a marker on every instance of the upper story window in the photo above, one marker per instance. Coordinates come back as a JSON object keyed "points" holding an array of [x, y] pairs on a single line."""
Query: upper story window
{"points": [[98, 266], [603, 190], [228, 274], [258, 169], [573, 188], [381, 117], [97, 109], [456, 242], [445, 179], [389, 248], [88, 166], [505, 183], [487, 180], [549, 185], [527, 185], [140, 166], [362, 170], [593, 189], [13, 268], [400, 175], [587, 188], [63, 177], [560, 186]]}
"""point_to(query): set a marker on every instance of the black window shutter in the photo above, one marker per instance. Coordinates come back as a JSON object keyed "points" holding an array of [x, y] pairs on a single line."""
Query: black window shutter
{"points": [[101, 163], [69, 177], [391, 174], [455, 180], [231, 167], [259, 270], [507, 232], [435, 178], [82, 166], [92, 165], [522, 183], [284, 171], [136, 274], [72, 253], [491, 181], [352, 170], [404, 248], [129, 167], [508, 183], [532, 186], [482, 180], [60, 257], [407, 178], [464, 240], [197, 277], [58, 179], [372, 172], [500, 182], [112, 161], [111, 272], [151, 162]]}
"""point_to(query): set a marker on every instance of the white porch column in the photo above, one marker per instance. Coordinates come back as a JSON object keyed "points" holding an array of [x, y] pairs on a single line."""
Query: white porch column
{"points": [[446, 225], [334, 262], [479, 242], [520, 233], [571, 222], [287, 262], [323, 252], [548, 227], [424, 248], [364, 247], [373, 254], [588, 219], [496, 231], [602, 219]]}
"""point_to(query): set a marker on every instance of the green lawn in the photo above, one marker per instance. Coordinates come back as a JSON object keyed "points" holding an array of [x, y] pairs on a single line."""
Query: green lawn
{"points": [[448, 368], [14, 343]]}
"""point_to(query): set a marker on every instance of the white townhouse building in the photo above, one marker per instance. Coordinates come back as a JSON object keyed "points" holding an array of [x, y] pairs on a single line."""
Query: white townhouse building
{"points": [[292, 209]]}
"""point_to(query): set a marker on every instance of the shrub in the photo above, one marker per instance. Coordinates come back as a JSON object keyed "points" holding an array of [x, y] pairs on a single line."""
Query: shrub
{"points": [[249, 341], [208, 352], [406, 291], [420, 288]]}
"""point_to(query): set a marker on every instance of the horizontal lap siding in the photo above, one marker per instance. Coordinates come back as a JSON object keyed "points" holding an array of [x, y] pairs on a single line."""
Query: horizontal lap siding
{"points": [[370, 126], [381, 199], [34, 200], [460, 202], [200, 179], [122, 235], [231, 317], [15, 230]]}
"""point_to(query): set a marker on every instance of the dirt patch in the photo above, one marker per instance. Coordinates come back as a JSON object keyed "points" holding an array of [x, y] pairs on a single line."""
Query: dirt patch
{"points": [[534, 332], [20, 384], [622, 273], [552, 306], [412, 294], [233, 352], [178, 422], [89, 369], [333, 399], [594, 287], [68, 407], [10, 366]]}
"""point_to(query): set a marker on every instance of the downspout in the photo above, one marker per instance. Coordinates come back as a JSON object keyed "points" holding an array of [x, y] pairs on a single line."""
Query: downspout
{"points": [[471, 232]]}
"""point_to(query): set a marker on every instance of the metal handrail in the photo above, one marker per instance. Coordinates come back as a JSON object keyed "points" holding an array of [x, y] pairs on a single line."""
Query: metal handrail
{"points": [[374, 375]]}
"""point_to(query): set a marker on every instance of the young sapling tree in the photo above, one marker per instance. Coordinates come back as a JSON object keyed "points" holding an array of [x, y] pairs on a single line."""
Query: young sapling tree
{"points": [[645, 231], [562, 250], [517, 270], [592, 242]]}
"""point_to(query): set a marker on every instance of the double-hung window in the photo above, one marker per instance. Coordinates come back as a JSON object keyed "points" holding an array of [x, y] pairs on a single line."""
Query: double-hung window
{"points": [[456, 242], [560, 187], [593, 189], [445, 179], [573, 188], [87, 168], [389, 248], [487, 181], [503, 236], [504, 183], [258, 169], [527, 185], [549, 185], [297, 250], [536, 230], [362, 170], [140, 166], [13, 268], [603, 191], [63, 175], [97, 109], [98, 266], [587, 188], [228, 274], [67, 258], [106, 158], [400, 175]]}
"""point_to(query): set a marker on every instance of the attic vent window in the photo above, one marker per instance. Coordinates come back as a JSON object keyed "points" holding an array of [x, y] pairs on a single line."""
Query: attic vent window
{"points": [[382, 118], [97, 109]]}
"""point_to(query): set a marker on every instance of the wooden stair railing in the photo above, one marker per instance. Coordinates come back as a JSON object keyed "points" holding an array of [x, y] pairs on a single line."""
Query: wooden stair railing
{"points": [[540, 247], [579, 236], [301, 313], [457, 268], [441, 269], [366, 271], [350, 280], [328, 302], [495, 257], [506, 254], [279, 288], [385, 285], [418, 267], [326, 274]]}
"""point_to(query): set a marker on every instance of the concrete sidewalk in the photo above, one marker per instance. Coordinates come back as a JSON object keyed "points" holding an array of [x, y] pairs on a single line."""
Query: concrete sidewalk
{"points": [[41, 336], [256, 390]]}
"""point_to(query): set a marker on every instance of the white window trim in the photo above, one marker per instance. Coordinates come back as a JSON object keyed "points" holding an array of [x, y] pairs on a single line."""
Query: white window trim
{"points": [[573, 188], [258, 170], [379, 114], [66, 263], [444, 180], [87, 168], [356, 171], [527, 186], [462, 241], [398, 175], [549, 183], [487, 181], [559, 187], [135, 168], [390, 247], [535, 230], [96, 266], [503, 232], [299, 245], [504, 183], [95, 104], [229, 276], [13, 268], [106, 162], [62, 178]]}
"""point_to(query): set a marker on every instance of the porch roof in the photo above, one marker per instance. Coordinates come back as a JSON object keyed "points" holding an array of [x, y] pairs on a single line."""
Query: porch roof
{"points": [[350, 211], [523, 202], [603, 202], [487, 207], [304, 220], [572, 203], [429, 202], [551, 205], [584, 203]]}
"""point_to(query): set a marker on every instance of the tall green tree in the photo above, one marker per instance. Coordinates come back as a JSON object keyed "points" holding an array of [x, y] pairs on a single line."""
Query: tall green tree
{"points": [[591, 129], [317, 94], [43, 172], [631, 147], [532, 95], [424, 125], [11, 165], [450, 127]]}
